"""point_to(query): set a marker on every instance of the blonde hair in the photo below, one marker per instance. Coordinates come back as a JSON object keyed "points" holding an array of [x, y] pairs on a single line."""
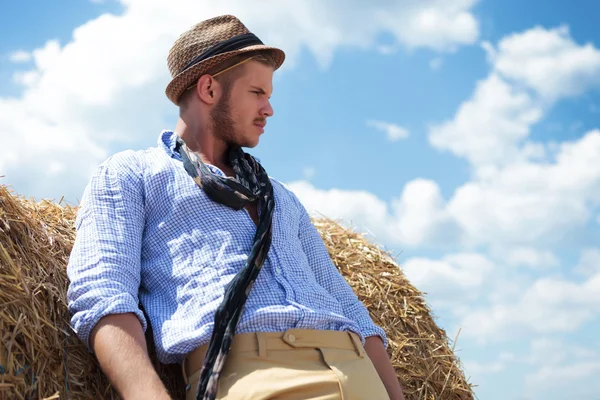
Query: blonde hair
{"points": [[227, 72]]}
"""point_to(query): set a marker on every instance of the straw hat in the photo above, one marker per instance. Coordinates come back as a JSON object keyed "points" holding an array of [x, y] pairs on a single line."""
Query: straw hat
{"points": [[207, 44]]}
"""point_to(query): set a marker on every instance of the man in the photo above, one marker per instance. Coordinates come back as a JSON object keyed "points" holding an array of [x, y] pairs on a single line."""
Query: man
{"points": [[196, 232]]}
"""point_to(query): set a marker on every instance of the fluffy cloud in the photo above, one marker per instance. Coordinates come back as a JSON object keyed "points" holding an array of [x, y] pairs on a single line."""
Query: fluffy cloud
{"points": [[416, 217], [309, 173], [528, 201], [480, 368], [522, 191], [589, 262], [19, 56], [452, 281], [549, 305], [420, 216], [354, 207], [393, 132], [548, 61], [530, 71], [552, 368], [530, 257], [492, 303], [561, 370], [520, 205], [103, 90], [436, 63], [571, 378], [488, 128], [437, 24]]}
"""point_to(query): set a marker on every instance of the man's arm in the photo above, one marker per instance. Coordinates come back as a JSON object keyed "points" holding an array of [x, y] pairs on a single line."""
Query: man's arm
{"points": [[119, 343], [104, 271], [379, 357]]}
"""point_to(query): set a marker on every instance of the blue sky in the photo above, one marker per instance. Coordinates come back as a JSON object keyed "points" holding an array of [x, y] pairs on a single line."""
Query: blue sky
{"points": [[486, 181]]}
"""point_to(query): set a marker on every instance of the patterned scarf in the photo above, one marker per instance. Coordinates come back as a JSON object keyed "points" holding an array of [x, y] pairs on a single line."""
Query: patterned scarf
{"points": [[251, 183]]}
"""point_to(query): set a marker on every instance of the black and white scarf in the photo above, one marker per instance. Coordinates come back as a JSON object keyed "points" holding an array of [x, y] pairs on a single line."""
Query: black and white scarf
{"points": [[251, 183]]}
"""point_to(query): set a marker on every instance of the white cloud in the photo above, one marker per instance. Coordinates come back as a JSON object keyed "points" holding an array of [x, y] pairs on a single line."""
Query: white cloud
{"points": [[413, 218], [480, 368], [549, 305], [531, 257], [20, 56], [387, 49], [437, 24], [523, 191], [393, 132], [451, 281], [549, 62], [436, 63], [477, 368], [561, 370], [487, 129], [491, 303], [309, 173], [526, 202], [26, 78], [551, 377], [105, 88], [421, 217], [552, 351], [589, 262], [530, 71], [517, 208], [353, 207]]}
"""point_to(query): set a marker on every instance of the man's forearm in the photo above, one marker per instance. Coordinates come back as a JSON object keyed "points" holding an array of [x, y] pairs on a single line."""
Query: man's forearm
{"points": [[120, 346], [378, 355]]}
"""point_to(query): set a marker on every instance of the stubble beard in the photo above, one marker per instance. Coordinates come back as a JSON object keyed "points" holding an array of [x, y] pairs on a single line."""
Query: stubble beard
{"points": [[223, 123]]}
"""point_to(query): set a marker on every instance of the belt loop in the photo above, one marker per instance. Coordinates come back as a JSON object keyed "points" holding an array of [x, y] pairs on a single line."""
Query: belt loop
{"points": [[262, 344], [360, 350]]}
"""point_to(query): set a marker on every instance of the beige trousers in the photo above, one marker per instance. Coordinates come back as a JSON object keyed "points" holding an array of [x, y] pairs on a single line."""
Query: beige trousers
{"points": [[292, 365]]}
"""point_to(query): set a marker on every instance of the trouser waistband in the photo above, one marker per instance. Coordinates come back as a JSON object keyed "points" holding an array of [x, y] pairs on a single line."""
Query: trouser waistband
{"points": [[261, 342]]}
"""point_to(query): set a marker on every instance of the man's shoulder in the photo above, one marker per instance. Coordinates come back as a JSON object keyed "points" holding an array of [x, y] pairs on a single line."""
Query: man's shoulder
{"points": [[278, 185], [131, 162], [285, 190]]}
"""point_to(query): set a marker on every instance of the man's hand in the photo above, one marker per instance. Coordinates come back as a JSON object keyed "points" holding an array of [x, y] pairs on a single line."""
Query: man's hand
{"points": [[120, 346], [378, 355]]}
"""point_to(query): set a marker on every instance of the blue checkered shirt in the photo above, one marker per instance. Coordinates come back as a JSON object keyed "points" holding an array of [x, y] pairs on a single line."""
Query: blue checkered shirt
{"points": [[148, 235]]}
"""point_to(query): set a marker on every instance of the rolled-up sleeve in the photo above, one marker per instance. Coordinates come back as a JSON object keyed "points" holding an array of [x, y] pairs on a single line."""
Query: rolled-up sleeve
{"points": [[104, 265], [330, 278]]}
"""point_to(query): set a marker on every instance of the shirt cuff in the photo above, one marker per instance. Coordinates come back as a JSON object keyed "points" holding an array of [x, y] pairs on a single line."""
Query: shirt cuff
{"points": [[374, 330], [83, 322], [360, 314]]}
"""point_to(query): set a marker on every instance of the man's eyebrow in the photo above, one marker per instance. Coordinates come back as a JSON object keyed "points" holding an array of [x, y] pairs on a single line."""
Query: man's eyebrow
{"points": [[261, 90]]}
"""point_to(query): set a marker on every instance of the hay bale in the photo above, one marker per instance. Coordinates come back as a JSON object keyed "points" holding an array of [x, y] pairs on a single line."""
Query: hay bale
{"points": [[40, 357]]}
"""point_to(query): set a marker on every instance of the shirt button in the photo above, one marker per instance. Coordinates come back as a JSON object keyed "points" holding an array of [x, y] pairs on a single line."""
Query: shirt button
{"points": [[292, 338], [278, 270]]}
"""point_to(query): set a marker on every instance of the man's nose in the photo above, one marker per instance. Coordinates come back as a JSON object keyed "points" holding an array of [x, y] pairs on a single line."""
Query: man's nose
{"points": [[267, 110]]}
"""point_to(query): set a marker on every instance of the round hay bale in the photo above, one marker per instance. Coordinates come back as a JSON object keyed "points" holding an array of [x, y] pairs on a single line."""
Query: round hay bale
{"points": [[41, 358]]}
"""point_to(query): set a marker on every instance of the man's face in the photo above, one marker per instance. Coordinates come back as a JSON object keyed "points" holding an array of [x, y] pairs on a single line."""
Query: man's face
{"points": [[241, 114]]}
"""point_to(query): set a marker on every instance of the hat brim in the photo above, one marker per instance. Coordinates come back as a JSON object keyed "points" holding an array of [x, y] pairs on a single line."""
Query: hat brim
{"points": [[183, 80]]}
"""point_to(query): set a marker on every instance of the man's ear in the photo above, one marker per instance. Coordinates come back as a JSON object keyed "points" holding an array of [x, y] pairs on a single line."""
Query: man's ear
{"points": [[208, 89]]}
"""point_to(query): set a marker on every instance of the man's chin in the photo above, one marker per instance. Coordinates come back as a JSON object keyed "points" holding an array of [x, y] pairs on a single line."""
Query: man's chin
{"points": [[250, 143]]}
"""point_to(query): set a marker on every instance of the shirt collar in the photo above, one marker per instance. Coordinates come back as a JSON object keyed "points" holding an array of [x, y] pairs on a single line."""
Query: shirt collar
{"points": [[167, 141]]}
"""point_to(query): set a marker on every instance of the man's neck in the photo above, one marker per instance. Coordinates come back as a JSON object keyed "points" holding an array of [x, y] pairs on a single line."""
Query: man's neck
{"points": [[202, 142]]}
